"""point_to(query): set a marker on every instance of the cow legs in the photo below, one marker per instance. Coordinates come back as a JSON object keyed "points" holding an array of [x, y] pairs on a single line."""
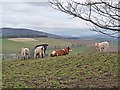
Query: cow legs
{"points": [[24, 58], [27, 57], [35, 56], [41, 54], [104, 49]]}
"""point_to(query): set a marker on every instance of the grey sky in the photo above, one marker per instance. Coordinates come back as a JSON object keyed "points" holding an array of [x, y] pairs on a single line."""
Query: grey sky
{"points": [[38, 15]]}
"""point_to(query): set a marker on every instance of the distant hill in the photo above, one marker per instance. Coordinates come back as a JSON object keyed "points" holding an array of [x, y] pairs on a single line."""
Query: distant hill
{"points": [[21, 32], [97, 37]]}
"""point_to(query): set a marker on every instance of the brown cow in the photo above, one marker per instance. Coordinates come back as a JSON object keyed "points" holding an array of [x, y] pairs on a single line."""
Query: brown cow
{"points": [[61, 52]]}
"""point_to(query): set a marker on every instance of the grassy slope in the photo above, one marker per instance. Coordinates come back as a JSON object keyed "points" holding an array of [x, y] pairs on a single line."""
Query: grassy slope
{"points": [[84, 70]]}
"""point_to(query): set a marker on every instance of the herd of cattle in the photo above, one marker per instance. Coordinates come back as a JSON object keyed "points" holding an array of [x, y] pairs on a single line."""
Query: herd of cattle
{"points": [[39, 50]]}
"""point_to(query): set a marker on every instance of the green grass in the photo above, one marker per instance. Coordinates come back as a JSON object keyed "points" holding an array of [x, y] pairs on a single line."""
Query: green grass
{"points": [[82, 70], [52, 41], [76, 50], [13, 47], [9, 46], [83, 67]]}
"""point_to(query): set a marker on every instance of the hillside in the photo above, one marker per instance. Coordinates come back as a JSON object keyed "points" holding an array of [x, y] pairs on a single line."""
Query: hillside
{"points": [[21, 32], [90, 70]]}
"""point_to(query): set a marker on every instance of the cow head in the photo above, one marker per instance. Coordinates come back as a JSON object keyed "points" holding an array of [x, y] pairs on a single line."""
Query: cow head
{"points": [[45, 45], [68, 49], [96, 45]]}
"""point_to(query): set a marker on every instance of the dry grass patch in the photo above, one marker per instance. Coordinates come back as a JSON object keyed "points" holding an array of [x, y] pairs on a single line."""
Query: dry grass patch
{"points": [[22, 39]]}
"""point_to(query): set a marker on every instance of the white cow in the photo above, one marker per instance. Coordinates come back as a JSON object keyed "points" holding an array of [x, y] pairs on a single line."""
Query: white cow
{"points": [[102, 46], [39, 52], [25, 53]]}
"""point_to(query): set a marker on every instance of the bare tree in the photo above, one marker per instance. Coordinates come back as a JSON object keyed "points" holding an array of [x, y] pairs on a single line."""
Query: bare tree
{"points": [[104, 15]]}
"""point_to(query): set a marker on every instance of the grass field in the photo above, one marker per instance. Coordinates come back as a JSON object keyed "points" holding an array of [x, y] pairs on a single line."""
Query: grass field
{"points": [[13, 47], [91, 70], [82, 68], [9, 46]]}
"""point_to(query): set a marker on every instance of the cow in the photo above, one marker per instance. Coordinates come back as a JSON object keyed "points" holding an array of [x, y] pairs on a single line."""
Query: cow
{"points": [[61, 52], [25, 52], [39, 52], [44, 45], [102, 46]]}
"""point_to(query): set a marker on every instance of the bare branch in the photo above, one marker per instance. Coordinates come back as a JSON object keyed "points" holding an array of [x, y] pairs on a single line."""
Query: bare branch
{"points": [[102, 14]]}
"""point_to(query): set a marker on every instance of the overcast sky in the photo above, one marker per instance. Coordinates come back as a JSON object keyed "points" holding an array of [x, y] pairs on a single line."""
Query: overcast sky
{"points": [[38, 15]]}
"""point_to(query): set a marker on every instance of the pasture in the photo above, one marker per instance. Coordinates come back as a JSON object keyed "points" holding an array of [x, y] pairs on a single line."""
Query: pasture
{"points": [[91, 70], [14, 47], [84, 67]]}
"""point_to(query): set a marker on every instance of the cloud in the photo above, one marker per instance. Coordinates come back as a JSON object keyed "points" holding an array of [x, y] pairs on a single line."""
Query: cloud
{"points": [[39, 16], [37, 3], [24, 0]]}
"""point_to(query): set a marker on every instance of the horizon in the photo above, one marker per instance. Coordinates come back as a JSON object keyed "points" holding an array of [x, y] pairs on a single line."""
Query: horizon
{"points": [[60, 33]]}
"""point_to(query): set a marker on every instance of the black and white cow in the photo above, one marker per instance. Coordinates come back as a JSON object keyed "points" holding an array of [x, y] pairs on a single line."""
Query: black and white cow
{"points": [[44, 45], [39, 50]]}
